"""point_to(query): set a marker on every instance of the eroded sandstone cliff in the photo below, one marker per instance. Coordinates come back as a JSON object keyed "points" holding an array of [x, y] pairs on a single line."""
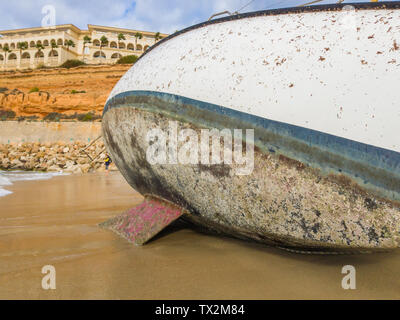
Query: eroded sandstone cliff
{"points": [[39, 93]]}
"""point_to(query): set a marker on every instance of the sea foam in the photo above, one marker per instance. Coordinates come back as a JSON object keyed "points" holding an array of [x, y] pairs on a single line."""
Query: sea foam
{"points": [[4, 181], [8, 177]]}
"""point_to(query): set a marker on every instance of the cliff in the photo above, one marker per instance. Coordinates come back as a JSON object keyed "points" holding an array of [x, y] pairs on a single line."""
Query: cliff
{"points": [[38, 93]]}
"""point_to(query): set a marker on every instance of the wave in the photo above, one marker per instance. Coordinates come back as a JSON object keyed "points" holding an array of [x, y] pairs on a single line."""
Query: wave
{"points": [[4, 182], [8, 177], [4, 192]]}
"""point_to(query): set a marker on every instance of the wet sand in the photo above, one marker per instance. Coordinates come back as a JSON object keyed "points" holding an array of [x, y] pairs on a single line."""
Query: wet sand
{"points": [[54, 222]]}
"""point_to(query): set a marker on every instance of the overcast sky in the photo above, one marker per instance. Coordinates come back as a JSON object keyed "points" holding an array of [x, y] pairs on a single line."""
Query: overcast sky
{"points": [[165, 16]]}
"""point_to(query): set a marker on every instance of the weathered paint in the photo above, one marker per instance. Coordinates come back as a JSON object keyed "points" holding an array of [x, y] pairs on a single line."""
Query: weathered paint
{"points": [[375, 169], [140, 224], [326, 169], [281, 202]]}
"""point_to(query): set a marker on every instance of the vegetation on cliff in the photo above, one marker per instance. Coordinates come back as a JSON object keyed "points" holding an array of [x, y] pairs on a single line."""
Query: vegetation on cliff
{"points": [[72, 64], [55, 116], [7, 115], [34, 89], [128, 59]]}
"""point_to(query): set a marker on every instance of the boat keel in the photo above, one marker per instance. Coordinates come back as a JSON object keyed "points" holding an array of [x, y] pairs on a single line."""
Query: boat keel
{"points": [[143, 222]]}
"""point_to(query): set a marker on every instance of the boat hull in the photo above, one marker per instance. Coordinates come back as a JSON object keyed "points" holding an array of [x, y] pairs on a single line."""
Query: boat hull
{"points": [[325, 172], [283, 201]]}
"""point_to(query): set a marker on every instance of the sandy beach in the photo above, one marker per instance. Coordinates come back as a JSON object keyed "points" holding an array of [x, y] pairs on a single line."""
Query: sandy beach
{"points": [[55, 222]]}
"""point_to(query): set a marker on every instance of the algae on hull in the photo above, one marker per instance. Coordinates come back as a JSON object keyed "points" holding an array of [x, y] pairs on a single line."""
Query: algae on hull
{"points": [[280, 202]]}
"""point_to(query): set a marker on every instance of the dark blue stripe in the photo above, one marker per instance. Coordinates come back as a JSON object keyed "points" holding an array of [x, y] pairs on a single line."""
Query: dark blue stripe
{"points": [[371, 156]]}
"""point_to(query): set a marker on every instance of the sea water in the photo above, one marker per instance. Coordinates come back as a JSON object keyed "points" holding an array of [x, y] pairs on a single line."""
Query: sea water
{"points": [[8, 177]]}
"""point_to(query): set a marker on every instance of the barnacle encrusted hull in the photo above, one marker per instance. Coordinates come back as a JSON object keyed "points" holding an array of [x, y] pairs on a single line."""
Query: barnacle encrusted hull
{"points": [[326, 168], [283, 201]]}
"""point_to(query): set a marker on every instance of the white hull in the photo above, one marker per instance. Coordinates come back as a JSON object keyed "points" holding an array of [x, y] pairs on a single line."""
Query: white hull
{"points": [[314, 69], [318, 85]]}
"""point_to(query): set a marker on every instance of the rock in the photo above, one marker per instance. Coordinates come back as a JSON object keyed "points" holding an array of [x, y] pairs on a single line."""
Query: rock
{"points": [[30, 165], [69, 163], [54, 168], [5, 164], [16, 164], [78, 170], [70, 169], [51, 162], [61, 164], [82, 160], [35, 149], [85, 168], [51, 157]]}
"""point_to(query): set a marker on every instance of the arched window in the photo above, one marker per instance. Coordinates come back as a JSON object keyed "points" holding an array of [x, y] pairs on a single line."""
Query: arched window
{"points": [[53, 53], [131, 46], [12, 56], [113, 44], [1, 57], [59, 42], [39, 54], [1, 47], [32, 44], [116, 56], [46, 43], [26, 55], [39, 42], [99, 54], [96, 43], [139, 47], [122, 45], [12, 46]]}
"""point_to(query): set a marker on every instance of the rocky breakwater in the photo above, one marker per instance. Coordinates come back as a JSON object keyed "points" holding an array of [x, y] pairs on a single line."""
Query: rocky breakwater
{"points": [[53, 157]]}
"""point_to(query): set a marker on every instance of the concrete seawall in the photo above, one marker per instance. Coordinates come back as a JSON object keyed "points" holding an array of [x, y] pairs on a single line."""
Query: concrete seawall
{"points": [[68, 132]]}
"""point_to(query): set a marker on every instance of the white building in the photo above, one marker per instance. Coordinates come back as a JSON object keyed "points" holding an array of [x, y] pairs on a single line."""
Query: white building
{"points": [[135, 43]]}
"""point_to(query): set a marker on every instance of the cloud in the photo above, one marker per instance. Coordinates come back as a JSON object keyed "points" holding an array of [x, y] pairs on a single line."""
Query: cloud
{"points": [[153, 15]]}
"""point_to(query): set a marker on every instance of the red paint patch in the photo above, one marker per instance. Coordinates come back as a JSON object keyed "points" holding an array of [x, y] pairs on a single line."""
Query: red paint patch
{"points": [[142, 223]]}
